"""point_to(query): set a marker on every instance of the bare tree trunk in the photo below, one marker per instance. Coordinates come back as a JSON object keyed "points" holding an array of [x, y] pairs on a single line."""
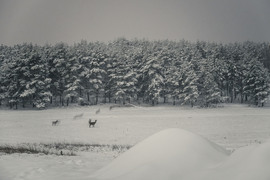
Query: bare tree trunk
{"points": [[67, 101], [61, 100], [80, 92], [97, 98], [109, 97]]}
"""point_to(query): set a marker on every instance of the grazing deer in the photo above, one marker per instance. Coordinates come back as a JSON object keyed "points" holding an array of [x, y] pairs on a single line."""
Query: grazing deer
{"points": [[54, 123], [114, 106], [92, 123], [78, 116], [98, 111]]}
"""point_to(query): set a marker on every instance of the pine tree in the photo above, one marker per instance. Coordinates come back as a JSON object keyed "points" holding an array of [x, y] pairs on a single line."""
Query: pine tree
{"points": [[16, 72], [36, 83], [80, 55], [209, 93], [5, 53], [108, 79], [153, 79], [257, 83], [167, 56], [122, 74], [189, 92], [72, 79], [174, 82], [96, 73], [59, 70]]}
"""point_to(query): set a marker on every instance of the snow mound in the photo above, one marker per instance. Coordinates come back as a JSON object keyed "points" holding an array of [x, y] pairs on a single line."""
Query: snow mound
{"points": [[175, 154], [247, 163], [169, 154]]}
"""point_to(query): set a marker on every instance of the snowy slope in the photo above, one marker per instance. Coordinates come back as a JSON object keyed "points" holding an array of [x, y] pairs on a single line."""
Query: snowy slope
{"points": [[51, 167], [246, 163], [169, 154], [175, 154]]}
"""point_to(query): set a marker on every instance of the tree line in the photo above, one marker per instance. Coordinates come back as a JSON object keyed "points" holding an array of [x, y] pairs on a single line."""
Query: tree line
{"points": [[180, 72]]}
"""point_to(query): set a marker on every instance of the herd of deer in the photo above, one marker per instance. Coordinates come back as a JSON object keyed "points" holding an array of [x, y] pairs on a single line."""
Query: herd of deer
{"points": [[77, 116]]}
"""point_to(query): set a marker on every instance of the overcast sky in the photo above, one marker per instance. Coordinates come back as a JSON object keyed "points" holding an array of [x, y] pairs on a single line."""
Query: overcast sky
{"points": [[51, 21]]}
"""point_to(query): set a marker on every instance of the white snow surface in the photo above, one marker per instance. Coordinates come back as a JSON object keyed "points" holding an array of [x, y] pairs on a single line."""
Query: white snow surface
{"points": [[175, 154], [169, 143], [169, 154]]}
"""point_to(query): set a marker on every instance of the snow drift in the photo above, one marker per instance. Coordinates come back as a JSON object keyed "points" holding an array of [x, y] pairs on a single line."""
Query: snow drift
{"points": [[247, 163], [176, 154], [169, 154]]}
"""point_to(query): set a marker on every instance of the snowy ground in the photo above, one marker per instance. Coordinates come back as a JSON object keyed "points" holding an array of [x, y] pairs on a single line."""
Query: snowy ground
{"points": [[176, 154], [231, 127]]}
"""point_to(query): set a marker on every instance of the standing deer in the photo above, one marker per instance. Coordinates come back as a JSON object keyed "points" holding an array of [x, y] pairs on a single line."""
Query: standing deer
{"points": [[54, 123], [78, 116], [98, 111], [92, 123]]}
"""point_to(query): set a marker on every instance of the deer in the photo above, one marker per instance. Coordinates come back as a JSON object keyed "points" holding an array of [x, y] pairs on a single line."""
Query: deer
{"points": [[114, 106], [92, 123], [54, 123], [78, 116], [98, 111]]}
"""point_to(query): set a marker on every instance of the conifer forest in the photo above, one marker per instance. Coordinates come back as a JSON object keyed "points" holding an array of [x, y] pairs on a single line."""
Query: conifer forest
{"points": [[125, 71]]}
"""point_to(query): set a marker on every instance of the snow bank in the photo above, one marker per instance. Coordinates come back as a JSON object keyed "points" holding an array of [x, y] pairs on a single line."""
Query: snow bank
{"points": [[247, 163], [176, 154], [169, 154]]}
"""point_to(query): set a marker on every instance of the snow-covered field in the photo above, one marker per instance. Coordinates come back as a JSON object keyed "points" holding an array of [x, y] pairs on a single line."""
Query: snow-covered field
{"points": [[233, 127]]}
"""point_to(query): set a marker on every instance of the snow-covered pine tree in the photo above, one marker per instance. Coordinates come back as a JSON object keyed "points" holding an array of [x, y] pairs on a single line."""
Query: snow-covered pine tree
{"points": [[72, 78], [36, 80], [257, 83], [17, 74], [209, 93], [96, 73], [81, 54], [5, 53], [9, 77], [189, 92], [141, 53], [218, 55], [122, 74], [136, 57], [174, 81], [153, 80], [167, 56], [108, 79], [58, 70]]}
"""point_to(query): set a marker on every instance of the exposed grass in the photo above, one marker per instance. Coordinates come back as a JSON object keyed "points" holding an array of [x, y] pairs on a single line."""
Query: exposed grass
{"points": [[65, 149], [12, 149], [34, 149], [88, 147]]}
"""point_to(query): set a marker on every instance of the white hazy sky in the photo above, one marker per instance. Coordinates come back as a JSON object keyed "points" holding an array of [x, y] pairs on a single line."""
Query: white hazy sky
{"points": [[51, 21]]}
